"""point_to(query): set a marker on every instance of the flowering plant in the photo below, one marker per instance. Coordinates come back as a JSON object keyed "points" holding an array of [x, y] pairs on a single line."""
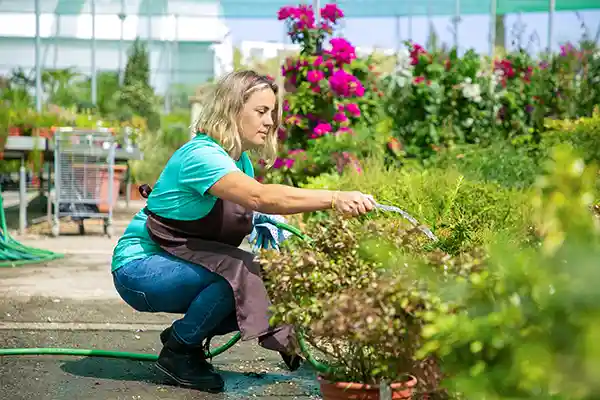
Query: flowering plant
{"points": [[330, 93], [512, 83], [566, 84], [436, 99]]}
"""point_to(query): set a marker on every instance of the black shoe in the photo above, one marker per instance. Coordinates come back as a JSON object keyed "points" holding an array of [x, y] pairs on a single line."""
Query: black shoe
{"points": [[187, 366], [204, 349], [292, 362], [164, 335]]}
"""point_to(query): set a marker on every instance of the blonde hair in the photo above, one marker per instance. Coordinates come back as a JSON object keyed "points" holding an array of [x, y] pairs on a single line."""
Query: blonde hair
{"points": [[222, 106]]}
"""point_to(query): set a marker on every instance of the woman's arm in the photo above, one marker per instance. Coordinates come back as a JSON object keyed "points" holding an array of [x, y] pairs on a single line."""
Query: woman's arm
{"points": [[239, 188]]}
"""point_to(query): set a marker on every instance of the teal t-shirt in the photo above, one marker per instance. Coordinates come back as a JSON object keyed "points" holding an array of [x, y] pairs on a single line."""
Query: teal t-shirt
{"points": [[181, 193]]}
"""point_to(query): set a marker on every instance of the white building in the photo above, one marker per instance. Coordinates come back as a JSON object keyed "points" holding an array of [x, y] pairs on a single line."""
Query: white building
{"points": [[188, 40]]}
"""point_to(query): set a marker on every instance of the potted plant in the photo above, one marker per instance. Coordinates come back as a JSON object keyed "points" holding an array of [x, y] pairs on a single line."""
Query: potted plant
{"points": [[361, 318]]}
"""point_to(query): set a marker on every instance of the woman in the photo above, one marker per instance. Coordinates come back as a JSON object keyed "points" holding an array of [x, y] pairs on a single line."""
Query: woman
{"points": [[180, 254]]}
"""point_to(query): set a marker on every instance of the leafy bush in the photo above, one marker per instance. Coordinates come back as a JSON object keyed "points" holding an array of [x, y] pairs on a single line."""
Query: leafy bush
{"points": [[461, 212], [358, 315], [524, 325], [583, 134], [502, 162], [438, 99]]}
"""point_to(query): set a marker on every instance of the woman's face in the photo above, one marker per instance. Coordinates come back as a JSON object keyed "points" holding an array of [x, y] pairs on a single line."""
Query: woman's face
{"points": [[257, 118]]}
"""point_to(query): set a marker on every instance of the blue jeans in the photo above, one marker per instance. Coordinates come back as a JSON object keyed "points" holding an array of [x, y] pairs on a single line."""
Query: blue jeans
{"points": [[164, 283]]}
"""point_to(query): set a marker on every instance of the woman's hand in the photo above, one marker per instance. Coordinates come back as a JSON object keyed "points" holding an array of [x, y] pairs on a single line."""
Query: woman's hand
{"points": [[353, 203]]}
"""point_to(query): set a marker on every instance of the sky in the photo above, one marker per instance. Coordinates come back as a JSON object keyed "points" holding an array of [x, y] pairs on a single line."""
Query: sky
{"points": [[473, 30]]}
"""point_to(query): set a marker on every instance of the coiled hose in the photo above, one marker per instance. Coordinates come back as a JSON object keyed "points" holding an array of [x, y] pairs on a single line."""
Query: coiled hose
{"points": [[317, 365], [13, 253]]}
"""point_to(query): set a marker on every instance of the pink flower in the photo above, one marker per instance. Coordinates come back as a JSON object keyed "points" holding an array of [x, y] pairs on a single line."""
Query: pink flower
{"points": [[340, 117], [315, 76], [353, 109], [415, 53], [322, 129], [286, 105], [332, 12], [342, 50], [283, 162], [345, 84], [278, 163], [318, 61], [285, 12]]}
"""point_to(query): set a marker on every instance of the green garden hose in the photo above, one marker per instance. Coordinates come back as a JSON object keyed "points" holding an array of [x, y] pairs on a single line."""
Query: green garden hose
{"points": [[153, 357], [317, 365], [13, 253]]}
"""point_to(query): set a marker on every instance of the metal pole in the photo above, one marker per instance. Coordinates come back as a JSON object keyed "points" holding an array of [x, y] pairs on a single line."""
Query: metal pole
{"points": [[56, 39], [410, 21], [38, 61], [149, 27], [433, 39], [456, 22], [122, 18], [492, 28], [169, 45], [149, 42], [398, 34], [94, 74], [317, 10], [175, 57], [23, 196], [551, 12]]}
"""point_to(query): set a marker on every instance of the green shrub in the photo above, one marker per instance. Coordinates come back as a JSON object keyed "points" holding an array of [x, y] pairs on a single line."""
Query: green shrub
{"points": [[461, 212], [525, 325], [583, 134], [503, 163]]}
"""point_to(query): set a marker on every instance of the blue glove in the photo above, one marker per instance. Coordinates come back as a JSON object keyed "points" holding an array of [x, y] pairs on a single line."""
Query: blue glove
{"points": [[265, 234]]}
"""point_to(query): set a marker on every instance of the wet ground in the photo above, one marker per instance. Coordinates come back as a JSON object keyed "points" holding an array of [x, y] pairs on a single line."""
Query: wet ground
{"points": [[71, 303], [249, 371]]}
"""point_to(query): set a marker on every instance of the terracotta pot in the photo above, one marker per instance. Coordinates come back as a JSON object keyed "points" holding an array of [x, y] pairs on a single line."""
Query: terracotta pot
{"points": [[14, 131], [44, 133], [359, 391]]}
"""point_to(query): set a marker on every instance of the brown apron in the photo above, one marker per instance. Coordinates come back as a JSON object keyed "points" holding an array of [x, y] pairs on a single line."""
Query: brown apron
{"points": [[213, 242]]}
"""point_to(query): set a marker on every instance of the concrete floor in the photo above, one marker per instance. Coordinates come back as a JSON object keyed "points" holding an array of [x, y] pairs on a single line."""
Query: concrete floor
{"points": [[72, 303]]}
